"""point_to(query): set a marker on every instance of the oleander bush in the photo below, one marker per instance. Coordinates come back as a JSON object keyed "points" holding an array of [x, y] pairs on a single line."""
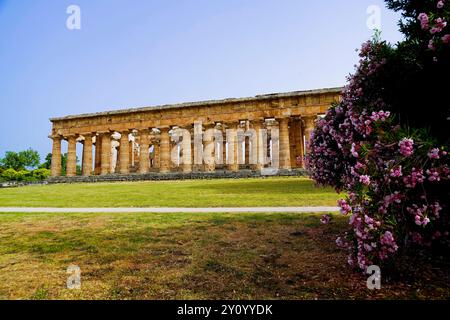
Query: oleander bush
{"points": [[386, 142]]}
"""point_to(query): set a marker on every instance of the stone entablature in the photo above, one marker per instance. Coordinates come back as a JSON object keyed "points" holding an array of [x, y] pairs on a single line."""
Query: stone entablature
{"points": [[142, 139]]}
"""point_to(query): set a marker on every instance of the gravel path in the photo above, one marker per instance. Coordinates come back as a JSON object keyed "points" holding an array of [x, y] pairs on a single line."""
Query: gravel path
{"points": [[171, 210]]}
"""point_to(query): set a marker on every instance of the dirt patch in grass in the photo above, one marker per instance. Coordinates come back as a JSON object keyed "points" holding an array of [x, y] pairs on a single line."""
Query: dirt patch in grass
{"points": [[186, 256]]}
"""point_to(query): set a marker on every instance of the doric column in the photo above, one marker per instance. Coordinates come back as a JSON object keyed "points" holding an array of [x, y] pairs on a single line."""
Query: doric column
{"points": [[56, 156], [186, 150], [71, 166], [86, 169], [106, 153], [298, 138], [232, 141], [209, 148], [131, 153], [198, 146], [98, 154], [224, 151], [247, 144], [285, 158], [144, 157], [257, 145], [124, 164], [309, 128], [156, 154], [292, 150], [165, 151]]}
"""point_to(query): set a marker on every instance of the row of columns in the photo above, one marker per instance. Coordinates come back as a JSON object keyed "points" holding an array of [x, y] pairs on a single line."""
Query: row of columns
{"points": [[292, 135]]}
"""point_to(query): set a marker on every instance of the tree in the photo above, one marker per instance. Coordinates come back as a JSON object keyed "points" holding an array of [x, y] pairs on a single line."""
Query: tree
{"points": [[47, 164], [30, 158], [21, 160]]}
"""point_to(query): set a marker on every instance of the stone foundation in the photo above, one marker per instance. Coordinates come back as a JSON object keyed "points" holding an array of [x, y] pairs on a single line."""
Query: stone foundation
{"points": [[218, 174]]}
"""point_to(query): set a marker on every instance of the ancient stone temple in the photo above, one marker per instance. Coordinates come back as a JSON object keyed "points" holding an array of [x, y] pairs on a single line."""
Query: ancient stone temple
{"points": [[220, 135]]}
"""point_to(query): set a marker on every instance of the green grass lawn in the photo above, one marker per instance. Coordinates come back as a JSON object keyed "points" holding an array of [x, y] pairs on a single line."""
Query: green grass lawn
{"points": [[274, 191], [187, 256]]}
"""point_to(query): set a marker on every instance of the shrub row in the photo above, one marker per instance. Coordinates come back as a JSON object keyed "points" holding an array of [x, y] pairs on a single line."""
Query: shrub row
{"points": [[24, 175]]}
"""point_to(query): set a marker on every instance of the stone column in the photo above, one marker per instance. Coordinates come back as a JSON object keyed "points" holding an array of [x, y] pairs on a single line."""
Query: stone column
{"points": [[156, 154], [257, 147], [247, 145], [106, 153], [298, 138], [71, 168], [186, 155], [165, 151], [224, 152], [309, 128], [198, 163], [131, 153], [292, 150], [223, 145], [56, 156], [86, 170], [98, 154], [285, 158], [209, 148], [124, 164], [232, 140], [144, 157]]}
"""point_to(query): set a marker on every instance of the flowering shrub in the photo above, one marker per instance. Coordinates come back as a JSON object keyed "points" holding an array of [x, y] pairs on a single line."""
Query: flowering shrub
{"points": [[396, 175]]}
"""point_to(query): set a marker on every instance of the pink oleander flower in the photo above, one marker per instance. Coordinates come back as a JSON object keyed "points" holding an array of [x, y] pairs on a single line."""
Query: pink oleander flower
{"points": [[340, 243], [421, 221], [326, 218], [359, 166], [380, 115], [446, 39], [433, 175], [436, 209], [423, 18], [406, 147], [353, 151], [397, 172], [440, 24], [434, 153], [387, 239], [345, 207], [415, 178], [431, 45], [440, 4], [364, 179]]}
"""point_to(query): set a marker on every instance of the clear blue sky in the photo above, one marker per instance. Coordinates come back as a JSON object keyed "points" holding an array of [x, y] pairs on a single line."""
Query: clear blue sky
{"points": [[149, 52]]}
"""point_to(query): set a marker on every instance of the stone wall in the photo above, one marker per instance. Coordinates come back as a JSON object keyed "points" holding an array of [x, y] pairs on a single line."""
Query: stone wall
{"points": [[218, 174]]}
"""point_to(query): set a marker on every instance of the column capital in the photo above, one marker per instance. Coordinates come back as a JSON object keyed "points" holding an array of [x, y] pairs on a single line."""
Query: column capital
{"points": [[282, 119], [309, 120], [71, 136], [259, 122], [232, 124], [87, 134], [55, 136], [103, 132], [144, 131]]}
